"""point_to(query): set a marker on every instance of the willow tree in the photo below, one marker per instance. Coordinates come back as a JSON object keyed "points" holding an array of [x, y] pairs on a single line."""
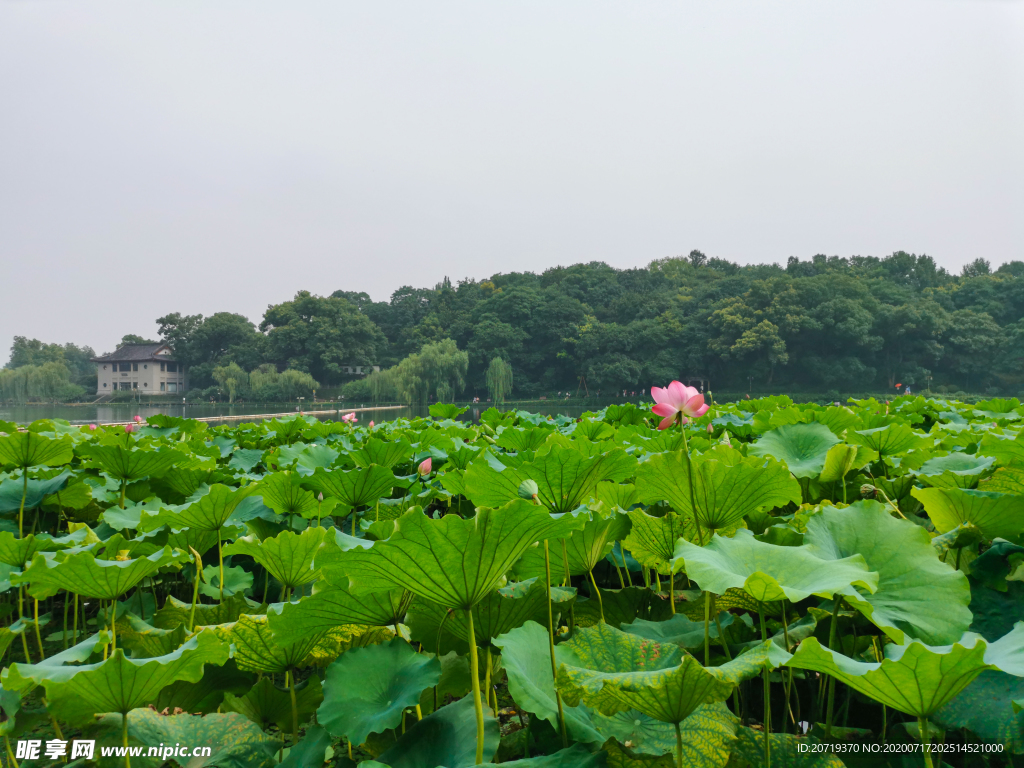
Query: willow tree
{"points": [[499, 380]]}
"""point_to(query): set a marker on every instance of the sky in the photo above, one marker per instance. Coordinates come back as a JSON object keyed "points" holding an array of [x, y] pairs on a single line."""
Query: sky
{"points": [[202, 156]]}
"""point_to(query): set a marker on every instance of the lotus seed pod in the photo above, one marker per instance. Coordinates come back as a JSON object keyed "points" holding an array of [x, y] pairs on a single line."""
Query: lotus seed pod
{"points": [[528, 489]]}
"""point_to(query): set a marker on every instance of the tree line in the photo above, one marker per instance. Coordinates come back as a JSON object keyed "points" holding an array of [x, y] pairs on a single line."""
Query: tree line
{"points": [[827, 324]]}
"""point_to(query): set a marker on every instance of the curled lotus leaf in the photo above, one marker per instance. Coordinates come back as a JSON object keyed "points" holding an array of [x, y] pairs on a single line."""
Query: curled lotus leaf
{"points": [[30, 492], [60, 666], [331, 606], [283, 493], [382, 453], [707, 734], [132, 463], [915, 678], [446, 737], [769, 572], [889, 440], [357, 487], [453, 561], [954, 470], [84, 574], [175, 612], [997, 515], [652, 540], [368, 689], [266, 704], [30, 449], [288, 556], [585, 548], [917, 595], [256, 648]]}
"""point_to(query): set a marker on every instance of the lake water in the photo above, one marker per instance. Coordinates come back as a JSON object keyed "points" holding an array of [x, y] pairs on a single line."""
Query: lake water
{"points": [[115, 413]]}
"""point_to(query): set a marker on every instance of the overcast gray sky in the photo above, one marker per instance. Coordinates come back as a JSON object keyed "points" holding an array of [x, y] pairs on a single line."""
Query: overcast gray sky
{"points": [[220, 155]]}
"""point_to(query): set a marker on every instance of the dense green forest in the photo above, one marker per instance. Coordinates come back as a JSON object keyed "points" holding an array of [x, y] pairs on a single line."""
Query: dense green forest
{"points": [[828, 325]]}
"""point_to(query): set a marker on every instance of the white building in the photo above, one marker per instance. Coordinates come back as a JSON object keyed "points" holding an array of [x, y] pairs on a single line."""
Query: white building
{"points": [[145, 368]]}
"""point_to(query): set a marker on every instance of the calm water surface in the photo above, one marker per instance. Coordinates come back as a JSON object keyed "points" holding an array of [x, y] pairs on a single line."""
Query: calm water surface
{"points": [[121, 412]]}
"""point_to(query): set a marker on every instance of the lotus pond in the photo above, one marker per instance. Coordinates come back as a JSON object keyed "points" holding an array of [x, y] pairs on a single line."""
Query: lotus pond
{"points": [[767, 584]]}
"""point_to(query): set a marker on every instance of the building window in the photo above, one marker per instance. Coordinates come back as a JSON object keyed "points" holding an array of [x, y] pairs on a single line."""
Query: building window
{"points": [[145, 385], [146, 367], [135, 385], [172, 367], [104, 384], [162, 366], [161, 386], [104, 367], [172, 387], [135, 366]]}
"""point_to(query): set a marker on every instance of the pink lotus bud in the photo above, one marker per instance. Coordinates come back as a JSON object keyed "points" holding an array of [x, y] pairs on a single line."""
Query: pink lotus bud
{"points": [[424, 467], [138, 419], [371, 424], [128, 428], [92, 427], [710, 428], [320, 496]]}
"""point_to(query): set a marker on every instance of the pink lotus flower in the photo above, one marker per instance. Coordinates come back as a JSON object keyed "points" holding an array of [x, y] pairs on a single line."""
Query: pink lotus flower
{"points": [[350, 418], [92, 427], [129, 428], [371, 424], [677, 401], [424, 467], [138, 419]]}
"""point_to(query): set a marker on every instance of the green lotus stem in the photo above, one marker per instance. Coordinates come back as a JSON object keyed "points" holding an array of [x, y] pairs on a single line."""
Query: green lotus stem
{"points": [[10, 754], [124, 740], [65, 631], [624, 566], [565, 563], [926, 741], [832, 680], [124, 484], [474, 674], [289, 680], [767, 700], [551, 647], [672, 591], [21, 509], [622, 582], [958, 551], [487, 677], [39, 639], [74, 634], [689, 473], [788, 680], [657, 581], [707, 628], [600, 600], [113, 626], [419, 713], [220, 551], [679, 746], [195, 590], [728, 655]]}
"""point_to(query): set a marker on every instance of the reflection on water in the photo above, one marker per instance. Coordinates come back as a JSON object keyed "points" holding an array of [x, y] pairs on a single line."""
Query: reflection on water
{"points": [[113, 413]]}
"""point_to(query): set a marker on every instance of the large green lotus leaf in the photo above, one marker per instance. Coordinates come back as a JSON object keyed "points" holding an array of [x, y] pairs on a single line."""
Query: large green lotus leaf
{"points": [[707, 734], [62, 666], [1005, 480], [30, 449], [256, 648], [1007, 450], [446, 737], [787, 751], [357, 487], [984, 707], [13, 490], [146, 641], [518, 440], [652, 540], [623, 496], [237, 581], [889, 440], [288, 556], [282, 492], [120, 684], [565, 477], [623, 606], [576, 756], [381, 453], [17, 552], [585, 548], [843, 459], [499, 612], [769, 572], [621, 756], [234, 741], [611, 671], [724, 492], [266, 704], [997, 515], [211, 511], [307, 458], [175, 612], [677, 630], [527, 662], [453, 561], [803, 447], [955, 470], [915, 678], [244, 459], [368, 689], [85, 575], [129, 464], [332, 606], [917, 593], [311, 751]]}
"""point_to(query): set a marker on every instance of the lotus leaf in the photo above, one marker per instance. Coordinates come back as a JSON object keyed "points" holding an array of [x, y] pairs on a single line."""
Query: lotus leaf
{"points": [[997, 515], [889, 440], [707, 734], [288, 556], [283, 493], [585, 548], [127, 464], [84, 574], [452, 561], [357, 487], [652, 540], [331, 606], [383, 454], [30, 449], [266, 704], [256, 648], [368, 689], [14, 490], [769, 572], [802, 447], [446, 737]]}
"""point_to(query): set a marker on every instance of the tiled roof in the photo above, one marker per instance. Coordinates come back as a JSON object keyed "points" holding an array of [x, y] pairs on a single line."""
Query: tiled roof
{"points": [[134, 352]]}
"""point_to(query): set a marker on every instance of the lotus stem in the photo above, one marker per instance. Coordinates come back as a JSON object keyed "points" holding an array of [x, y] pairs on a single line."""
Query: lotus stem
{"points": [[220, 551], [551, 646], [679, 746], [195, 590], [767, 700], [565, 565], [124, 484], [728, 655], [419, 713], [926, 741], [21, 509], [10, 754], [39, 638], [624, 566], [474, 674], [600, 600], [74, 634], [113, 626], [672, 591], [787, 679], [689, 473], [831, 679], [959, 550], [289, 679], [487, 677], [707, 628], [124, 740], [622, 582]]}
